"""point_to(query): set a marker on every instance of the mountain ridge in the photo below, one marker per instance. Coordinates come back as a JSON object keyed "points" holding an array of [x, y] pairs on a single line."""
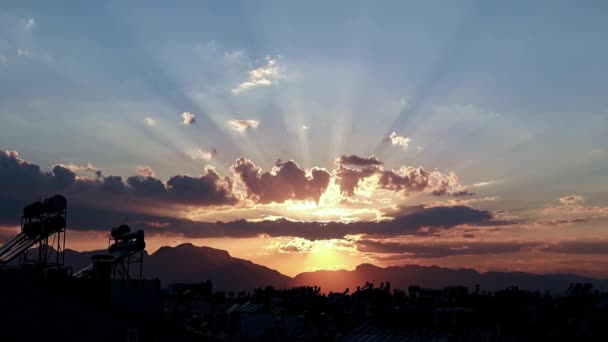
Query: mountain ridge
{"points": [[187, 263]]}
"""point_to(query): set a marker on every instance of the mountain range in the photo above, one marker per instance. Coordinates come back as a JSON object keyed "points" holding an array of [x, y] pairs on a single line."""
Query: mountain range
{"points": [[187, 263]]}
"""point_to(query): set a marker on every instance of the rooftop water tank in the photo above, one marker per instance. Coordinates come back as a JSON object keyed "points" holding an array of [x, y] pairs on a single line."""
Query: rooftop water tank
{"points": [[33, 210], [55, 204], [118, 232]]}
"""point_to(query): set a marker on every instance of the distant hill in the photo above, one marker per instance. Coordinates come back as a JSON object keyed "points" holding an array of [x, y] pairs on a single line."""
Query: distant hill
{"points": [[437, 277], [187, 263]]}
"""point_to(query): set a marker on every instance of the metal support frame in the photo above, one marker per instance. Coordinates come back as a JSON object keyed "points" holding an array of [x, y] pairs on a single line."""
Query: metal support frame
{"points": [[57, 246], [122, 268]]}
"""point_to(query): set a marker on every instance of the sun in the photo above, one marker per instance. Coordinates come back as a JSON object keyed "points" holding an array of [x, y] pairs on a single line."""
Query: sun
{"points": [[323, 254]]}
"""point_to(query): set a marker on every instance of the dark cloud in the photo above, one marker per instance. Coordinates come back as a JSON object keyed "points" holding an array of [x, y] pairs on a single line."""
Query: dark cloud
{"points": [[577, 247], [63, 176], [563, 222], [22, 183], [286, 181], [413, 179], [209, 189], [348, 179], [17, 175], [418, 222], [355, 160], [97, 203], [441, 249], [112, 184]]}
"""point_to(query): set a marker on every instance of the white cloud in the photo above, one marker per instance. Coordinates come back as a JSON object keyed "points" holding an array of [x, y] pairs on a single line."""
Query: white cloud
{"points": [[572, 199], [396, 139], [188, 118], [145, 171], [23, 52], [89, 167], [150, 121], [482, 184], [242, 126], [263, 76], [233, 56], [201, 154], [305, 127], [29, 24]]}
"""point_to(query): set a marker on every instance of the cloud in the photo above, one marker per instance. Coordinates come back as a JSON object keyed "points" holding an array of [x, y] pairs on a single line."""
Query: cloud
{"points": [[265, 75], [23, 182], [151, 122], [355, 160], [23, 52], [234, 56], [242, 126], [201, 154], [145, 171], [285, 181], [571, 200], [89, 167], [112, 184], [562, 222], [396, 139], [484, 184], [441, 249], [29, 24], [208, 189], [419, 221], [188, 118], [348, 179], [151, 203], [577, 247], [406, 180], [411, 179]]}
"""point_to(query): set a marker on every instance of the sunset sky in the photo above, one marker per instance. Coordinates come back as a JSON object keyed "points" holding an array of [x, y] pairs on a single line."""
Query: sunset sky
{"points": [[321, 134]]}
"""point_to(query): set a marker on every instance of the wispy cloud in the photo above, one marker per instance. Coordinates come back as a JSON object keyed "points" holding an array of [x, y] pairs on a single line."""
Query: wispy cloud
{"points": [[242, 126], [396, 139], [201, 154], [89, 167], [145, 171], [487, 183], [265, 75], [358, 161], [150, 121], [188, 118], [23, 52], [572, 199], [29, 23]]}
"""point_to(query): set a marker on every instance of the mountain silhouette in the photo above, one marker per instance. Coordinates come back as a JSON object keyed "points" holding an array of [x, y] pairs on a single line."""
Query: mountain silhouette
{"points": [[187, 263], [438, 277]]}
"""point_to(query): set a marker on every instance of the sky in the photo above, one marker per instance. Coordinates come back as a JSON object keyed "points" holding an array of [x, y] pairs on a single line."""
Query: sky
{"points": [[315, 135]]}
